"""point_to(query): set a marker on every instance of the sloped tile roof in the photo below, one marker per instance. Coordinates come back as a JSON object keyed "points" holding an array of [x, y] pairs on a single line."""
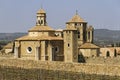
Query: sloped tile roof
{"points": [[89, 46], [41, 28], [41, 11], [9, 46], [76, 18], [27, 38]]}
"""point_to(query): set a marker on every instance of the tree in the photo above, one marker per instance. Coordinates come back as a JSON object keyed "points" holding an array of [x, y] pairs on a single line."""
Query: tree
{"points": [[119, 44], [112, 45], [0, 47]]}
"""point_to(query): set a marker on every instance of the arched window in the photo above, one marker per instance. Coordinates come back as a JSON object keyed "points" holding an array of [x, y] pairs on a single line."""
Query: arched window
{"points": [[108, 54], [41, 21], [38, 21], [89, 35], [78, 34], [56, 49], [75, 24], [115, 53]]}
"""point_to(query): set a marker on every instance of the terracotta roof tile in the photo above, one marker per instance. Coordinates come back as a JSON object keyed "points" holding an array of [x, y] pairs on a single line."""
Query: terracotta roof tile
{"points": [[41, 28], [41, 11], [9, 46], [39, 38], [89, 46], [76, 18]]}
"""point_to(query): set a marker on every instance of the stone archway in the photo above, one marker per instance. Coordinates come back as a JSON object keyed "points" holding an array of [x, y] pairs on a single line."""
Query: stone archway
{"points": [[107, 54], [115, 53]]}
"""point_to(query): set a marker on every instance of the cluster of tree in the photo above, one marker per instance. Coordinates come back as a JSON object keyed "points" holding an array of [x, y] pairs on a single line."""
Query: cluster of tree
{"points": [[3, 43], [116, 44]]}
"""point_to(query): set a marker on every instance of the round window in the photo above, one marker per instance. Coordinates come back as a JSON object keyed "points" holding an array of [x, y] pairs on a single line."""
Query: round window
{"points": [[56, 49], [29, 49]]}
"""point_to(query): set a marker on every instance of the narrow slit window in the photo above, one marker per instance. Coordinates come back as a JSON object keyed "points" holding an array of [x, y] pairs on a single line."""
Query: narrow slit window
{"points": [[68, 45], [88, 35], [78, 34]]}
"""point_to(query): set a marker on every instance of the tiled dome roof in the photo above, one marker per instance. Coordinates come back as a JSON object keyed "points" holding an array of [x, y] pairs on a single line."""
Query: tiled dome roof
{"points": [[41, 11], [76, 18], [41, 28]]}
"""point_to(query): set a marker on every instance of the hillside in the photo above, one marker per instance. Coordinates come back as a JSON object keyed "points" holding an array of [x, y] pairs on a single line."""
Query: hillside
{"points": [[5, 38], [105, 36], [10, 36]]}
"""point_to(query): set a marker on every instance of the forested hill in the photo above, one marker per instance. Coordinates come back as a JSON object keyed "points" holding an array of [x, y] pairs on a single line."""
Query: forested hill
{"points": [[105, 36], [10, 36]]}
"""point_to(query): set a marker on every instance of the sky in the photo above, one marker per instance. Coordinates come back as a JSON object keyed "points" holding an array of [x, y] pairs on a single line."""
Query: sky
{"points": [[20, 15]]}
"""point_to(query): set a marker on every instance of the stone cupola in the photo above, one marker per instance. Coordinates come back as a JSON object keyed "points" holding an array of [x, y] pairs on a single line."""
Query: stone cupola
{"points": [[41, 18]]}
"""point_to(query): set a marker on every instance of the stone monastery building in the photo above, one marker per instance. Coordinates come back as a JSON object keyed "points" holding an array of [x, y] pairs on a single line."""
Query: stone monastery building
{"points": [[46, 44]]}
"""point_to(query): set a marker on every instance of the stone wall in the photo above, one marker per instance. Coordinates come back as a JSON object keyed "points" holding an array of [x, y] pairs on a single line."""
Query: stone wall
{"points": [[113, 51], [24, 53], [15, 73], [89, 52], [98, 69]]}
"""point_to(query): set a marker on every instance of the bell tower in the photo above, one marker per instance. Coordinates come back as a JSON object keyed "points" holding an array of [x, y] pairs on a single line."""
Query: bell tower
{"points": [[70, 43], [81, 25], [90, 31], [41, 18]]}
